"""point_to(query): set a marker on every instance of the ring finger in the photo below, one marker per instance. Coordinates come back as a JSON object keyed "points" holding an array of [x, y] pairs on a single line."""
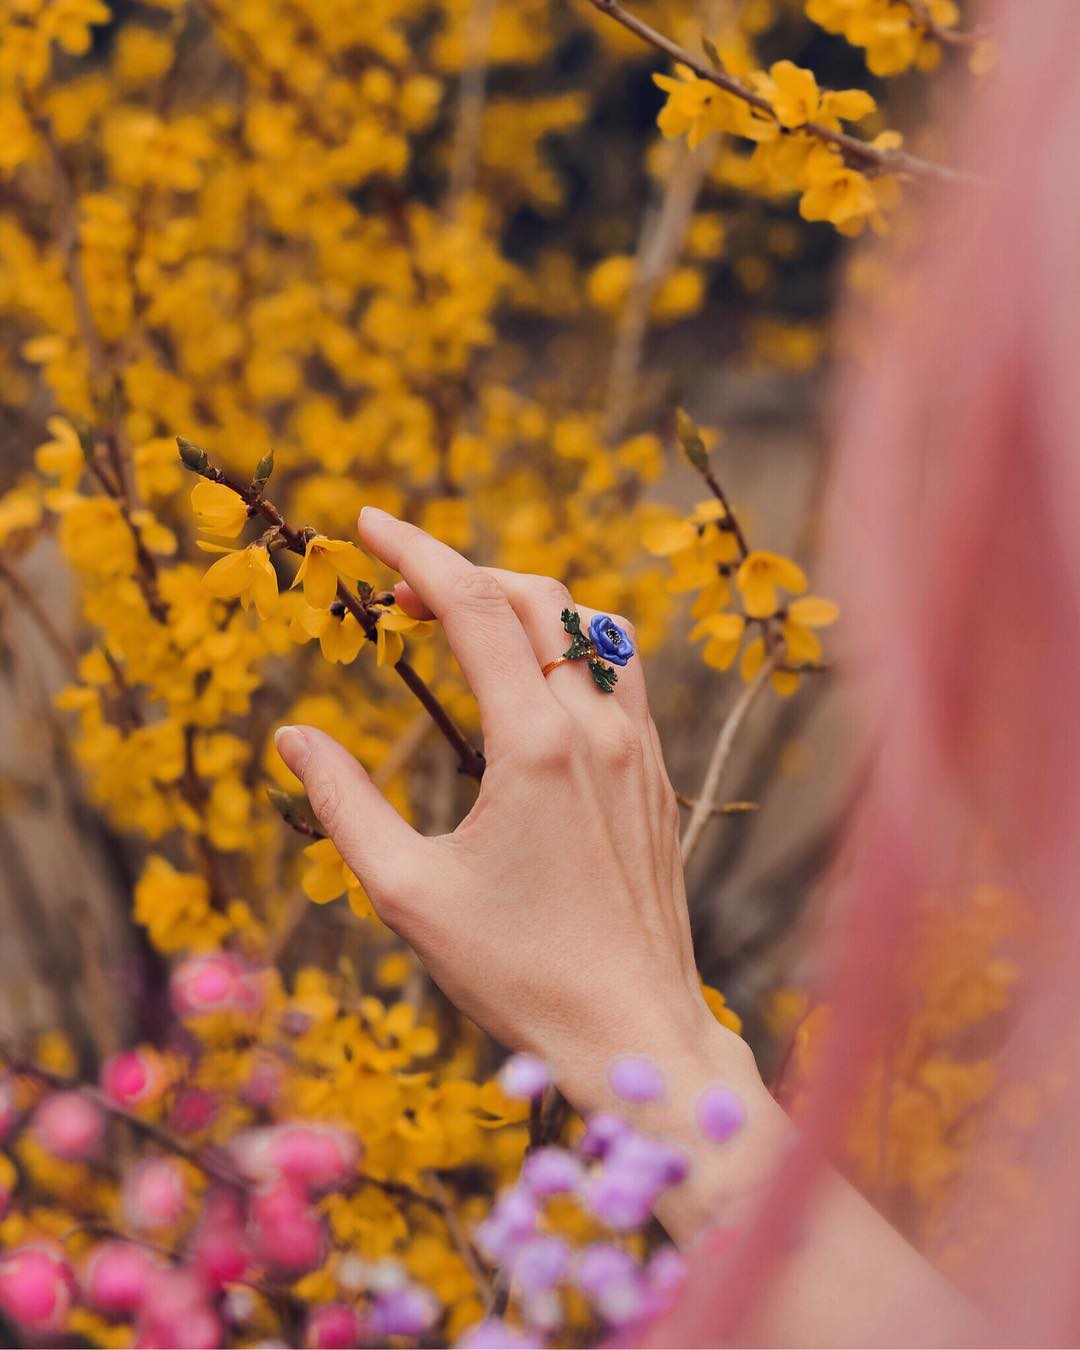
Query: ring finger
{"points": [[538, 602]]}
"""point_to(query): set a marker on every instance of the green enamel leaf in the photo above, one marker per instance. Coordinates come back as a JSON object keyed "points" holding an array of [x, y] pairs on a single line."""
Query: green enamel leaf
{"points": [[580, 645], [604, 677]]}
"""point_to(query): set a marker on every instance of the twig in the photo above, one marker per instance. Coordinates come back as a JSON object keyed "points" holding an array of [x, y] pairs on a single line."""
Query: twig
{"points": [[662, 236], [920, 10], [40, 615], [726, 809], [859, 154], [470, 760], [444, 1204], [471, 96], [704, 806]]}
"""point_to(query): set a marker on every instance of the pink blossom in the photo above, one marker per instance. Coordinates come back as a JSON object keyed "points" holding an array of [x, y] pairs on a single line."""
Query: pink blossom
{"points": [[155, 1194], [69, 1125], [36, 1288]]}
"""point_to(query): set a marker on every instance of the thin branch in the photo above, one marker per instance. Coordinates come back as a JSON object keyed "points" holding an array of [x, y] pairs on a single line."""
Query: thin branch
{"points": [[662, 236], [954, 37], [725, 809], [472, 94], [857, 153], [40, 615], [470, 760], [444, 1204], [707, 798]]}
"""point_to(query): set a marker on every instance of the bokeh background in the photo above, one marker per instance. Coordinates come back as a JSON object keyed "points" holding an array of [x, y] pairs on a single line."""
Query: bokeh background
{"points": [[436, 256]]}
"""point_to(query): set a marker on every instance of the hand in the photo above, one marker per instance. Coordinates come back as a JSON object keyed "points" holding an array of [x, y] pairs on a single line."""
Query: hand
{"points": [[555, 914]]}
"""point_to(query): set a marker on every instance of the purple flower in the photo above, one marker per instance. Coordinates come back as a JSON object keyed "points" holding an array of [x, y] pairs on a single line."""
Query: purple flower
{"points": [[542, 1263], [405, 1311], [494, 1334], [636, 1080], [508, 1227], [524, 1077], [611, 1281], [636, 1172], [620, 1199], [665, 1275], [551, 1171], [720, 1113], [602, 1132], [610, 641], [657, 1164]]}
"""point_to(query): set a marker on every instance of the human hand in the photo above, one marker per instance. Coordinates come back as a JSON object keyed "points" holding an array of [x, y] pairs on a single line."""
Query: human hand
{"points": [[555, 914]]}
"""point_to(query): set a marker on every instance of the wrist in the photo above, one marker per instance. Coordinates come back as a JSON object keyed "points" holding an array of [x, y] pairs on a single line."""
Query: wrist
{"points": [[694, 1053]]}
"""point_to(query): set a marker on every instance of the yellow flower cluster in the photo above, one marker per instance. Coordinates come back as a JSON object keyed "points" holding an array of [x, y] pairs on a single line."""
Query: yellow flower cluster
{"points": [[894, 35], [785, 158], [709, 554]]}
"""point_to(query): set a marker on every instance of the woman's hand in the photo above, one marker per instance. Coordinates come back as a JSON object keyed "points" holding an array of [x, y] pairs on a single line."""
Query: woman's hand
{"points": [[555, 914]]}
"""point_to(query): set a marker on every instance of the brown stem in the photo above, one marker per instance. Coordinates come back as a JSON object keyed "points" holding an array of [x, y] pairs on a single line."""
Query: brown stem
{"points": [[920, 9], [706, 802], [470, 760], [726, 809], [731, 520], [40, 615], [857, 153]]}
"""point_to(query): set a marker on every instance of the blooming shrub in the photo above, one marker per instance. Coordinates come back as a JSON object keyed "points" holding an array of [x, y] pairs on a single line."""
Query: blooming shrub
{"points": [[281, 231]]}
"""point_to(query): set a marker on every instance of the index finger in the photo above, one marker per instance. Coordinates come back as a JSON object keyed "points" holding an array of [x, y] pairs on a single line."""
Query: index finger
{"points": [[483, 631]]}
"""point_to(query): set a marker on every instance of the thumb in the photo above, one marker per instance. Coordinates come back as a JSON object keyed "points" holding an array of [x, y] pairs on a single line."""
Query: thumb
{"points": [[369, 834]]}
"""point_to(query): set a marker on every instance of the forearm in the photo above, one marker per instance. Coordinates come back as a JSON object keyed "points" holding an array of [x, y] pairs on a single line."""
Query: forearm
{"points": [[849, 1278]]}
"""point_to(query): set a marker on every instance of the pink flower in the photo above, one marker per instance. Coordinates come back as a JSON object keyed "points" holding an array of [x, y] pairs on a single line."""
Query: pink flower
{"points": [[155, 1194], [69, 1125], [335, 1326], [133, 1077], [175, 1312], [220, 1249], [216, 982], [287, 1232], [311, 1157], [116, 1276], [9, 1111], [36, 1288]]}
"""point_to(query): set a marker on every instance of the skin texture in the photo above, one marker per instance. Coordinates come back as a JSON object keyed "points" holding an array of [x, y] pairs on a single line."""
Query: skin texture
{"points": [[555, 916]]}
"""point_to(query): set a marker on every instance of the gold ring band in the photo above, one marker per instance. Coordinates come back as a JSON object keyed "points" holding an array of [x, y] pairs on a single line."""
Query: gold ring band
{"points": [[560, 661]]}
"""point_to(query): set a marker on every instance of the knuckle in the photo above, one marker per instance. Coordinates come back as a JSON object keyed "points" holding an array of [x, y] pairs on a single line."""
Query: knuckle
{"points": [[550, 743], [477, 589], [324, 795], [620, 745], [551, 593]]}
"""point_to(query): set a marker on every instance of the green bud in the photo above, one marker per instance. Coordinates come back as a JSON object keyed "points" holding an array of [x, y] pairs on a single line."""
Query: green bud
{"points": [[690, 440], [85, 433], [709, 48], [295, 811], [263, 470], [195, 457]]}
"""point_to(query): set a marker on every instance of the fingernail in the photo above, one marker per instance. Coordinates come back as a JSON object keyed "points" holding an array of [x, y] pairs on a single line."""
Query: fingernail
{"points": [[292, 746], [375, 513]]}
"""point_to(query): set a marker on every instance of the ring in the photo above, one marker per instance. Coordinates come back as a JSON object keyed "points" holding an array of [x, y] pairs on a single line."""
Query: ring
{"points": [[606, 641]]}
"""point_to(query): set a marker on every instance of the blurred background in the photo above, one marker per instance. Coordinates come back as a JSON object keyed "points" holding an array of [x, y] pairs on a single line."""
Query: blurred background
{"points": [[436, 256]]}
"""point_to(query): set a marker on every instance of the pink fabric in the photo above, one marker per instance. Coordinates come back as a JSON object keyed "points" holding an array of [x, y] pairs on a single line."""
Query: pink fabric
{"points": [[955, 531]]}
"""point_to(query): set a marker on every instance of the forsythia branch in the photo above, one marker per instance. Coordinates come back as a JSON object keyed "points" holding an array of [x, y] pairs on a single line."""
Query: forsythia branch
{"points": [[858, 154], [470, 760], [707, 797]]}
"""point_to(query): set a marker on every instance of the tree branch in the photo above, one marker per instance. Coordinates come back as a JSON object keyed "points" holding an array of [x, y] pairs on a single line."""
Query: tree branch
{"points": [[470, 760], [858, 154], [707, 798]]}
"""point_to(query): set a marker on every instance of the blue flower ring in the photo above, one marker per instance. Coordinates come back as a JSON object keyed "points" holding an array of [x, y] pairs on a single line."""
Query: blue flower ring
{"points": [[610, 641], [605, 641]]}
